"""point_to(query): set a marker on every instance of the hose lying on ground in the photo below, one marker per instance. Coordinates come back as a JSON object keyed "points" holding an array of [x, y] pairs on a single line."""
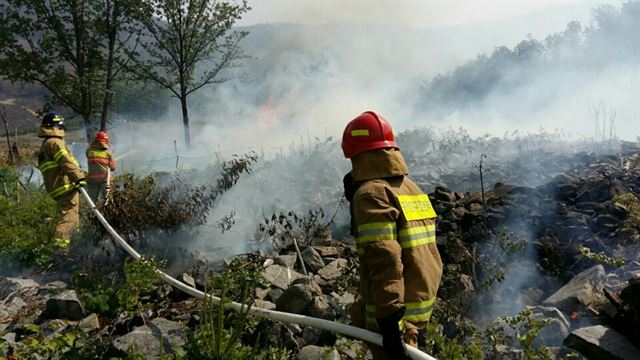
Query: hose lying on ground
{"points": [[347, 330]]}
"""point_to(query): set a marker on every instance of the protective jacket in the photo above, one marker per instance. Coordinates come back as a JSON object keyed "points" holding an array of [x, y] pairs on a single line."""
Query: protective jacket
{"points": [[100, 161], [60, 170], [395, 226]]}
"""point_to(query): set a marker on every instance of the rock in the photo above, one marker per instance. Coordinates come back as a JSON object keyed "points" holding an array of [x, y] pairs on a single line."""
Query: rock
{"points": [[261, 293], [443, 194], [65, 305], [334, 270], [601, 342], [188, 279], [312, 352], [270, 333], [280, 276], [90, 323], [15, 286], [11, 308], [311, 335], [326, 251], [274, 294], [288, 261], [617, 280], [148, 339], [312, 259], [584, 290], [295, 299], [320, 308], [555, 331], [264, 304], [352, 350]]}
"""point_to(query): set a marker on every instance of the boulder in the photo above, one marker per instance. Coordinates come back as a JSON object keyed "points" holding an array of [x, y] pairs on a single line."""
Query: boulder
{"points": [[555, 331], [601, 342], [618, 279], [262, 304], [313, 352], [288, 261], [334, 270], [15, 286], [312, 259], [584, 290], [280, 276], [295, 299], [326, 251], [90, 323], [65, 305], [320, 308], [158, 337]]}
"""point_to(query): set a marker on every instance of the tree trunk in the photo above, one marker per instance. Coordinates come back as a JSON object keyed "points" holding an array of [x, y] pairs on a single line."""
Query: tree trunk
{"points": [[185, 122], [110, 22], [86, 119]]}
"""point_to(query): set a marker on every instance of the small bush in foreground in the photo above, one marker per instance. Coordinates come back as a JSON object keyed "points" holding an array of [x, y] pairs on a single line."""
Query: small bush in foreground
{"points": [[27, 226]]}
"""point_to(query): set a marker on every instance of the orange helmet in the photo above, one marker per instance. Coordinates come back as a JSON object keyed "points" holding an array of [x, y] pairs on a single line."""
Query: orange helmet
{"points": [[102, 137], [369, 131]]}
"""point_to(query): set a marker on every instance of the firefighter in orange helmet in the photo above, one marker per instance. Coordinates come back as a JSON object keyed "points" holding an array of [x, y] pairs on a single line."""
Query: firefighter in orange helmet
{"points": [[394, 225], [62, 176], [101, 163]]}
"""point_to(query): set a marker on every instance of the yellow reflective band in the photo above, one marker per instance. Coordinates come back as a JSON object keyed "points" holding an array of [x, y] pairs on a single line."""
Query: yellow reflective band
{"points": [[377, 231], [61, 190], [47, 165], [416, 207], [362, 132], [419, 311], [59, 154], [56, 119], [416, 236], [97, 154], [371, 314]]}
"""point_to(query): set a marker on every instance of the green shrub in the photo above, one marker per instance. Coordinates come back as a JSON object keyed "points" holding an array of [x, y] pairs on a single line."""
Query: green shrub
{"points": [[27, 226], [630, 229], [110, 295]]}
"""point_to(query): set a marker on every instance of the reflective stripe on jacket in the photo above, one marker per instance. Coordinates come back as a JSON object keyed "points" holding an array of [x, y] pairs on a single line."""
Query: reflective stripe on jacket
{"points": [[60, 170], [100, 162], [400, 263]]}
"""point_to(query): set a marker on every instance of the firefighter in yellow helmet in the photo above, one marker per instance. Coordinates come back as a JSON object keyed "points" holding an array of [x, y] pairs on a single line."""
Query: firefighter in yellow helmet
{"points": [[394, 225], [101, 163], [61, 175]]}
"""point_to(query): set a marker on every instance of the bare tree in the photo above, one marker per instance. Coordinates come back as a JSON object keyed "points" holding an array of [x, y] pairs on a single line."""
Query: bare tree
{"points": [[188, 44]]}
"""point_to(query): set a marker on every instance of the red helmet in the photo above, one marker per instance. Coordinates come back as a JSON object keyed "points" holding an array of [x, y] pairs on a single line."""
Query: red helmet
{"points": [[368, 131], [102, 137]]}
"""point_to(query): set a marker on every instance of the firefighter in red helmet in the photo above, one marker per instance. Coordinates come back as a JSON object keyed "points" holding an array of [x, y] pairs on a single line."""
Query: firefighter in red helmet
{"points": [[394, 225], [101, 164]]}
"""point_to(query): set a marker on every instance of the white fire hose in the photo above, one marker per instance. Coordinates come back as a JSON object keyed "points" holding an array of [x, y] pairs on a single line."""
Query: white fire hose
{"points": [[347, 330]]}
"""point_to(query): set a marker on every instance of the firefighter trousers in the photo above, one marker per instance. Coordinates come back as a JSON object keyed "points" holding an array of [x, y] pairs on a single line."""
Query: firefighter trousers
{"points": [[69, 211]]}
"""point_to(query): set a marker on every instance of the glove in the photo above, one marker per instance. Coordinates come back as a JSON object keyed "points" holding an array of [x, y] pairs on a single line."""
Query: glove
{"points": [[349, 186], [350, 190], [392, 340], [81, 183]]}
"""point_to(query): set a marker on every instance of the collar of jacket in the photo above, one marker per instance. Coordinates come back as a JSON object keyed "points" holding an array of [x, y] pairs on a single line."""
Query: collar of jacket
{"points": [[46, 132], [378, 164], [99, 145]]}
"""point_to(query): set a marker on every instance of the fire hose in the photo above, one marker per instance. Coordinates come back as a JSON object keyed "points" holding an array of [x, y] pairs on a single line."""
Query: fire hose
{"points": [[344, 329]]}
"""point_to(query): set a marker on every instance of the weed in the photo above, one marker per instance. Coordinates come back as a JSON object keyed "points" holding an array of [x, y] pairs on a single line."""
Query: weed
{"points": [[219, 333], [282, 228], [601, 257]]}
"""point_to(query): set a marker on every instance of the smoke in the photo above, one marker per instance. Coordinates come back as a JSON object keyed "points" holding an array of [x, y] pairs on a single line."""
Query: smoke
{"points": [[302, 83]]}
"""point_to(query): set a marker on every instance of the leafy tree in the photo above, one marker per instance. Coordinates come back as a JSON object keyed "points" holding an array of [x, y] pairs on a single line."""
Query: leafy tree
{"points": [[116, 21], [68, 46], [187, 44]]}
